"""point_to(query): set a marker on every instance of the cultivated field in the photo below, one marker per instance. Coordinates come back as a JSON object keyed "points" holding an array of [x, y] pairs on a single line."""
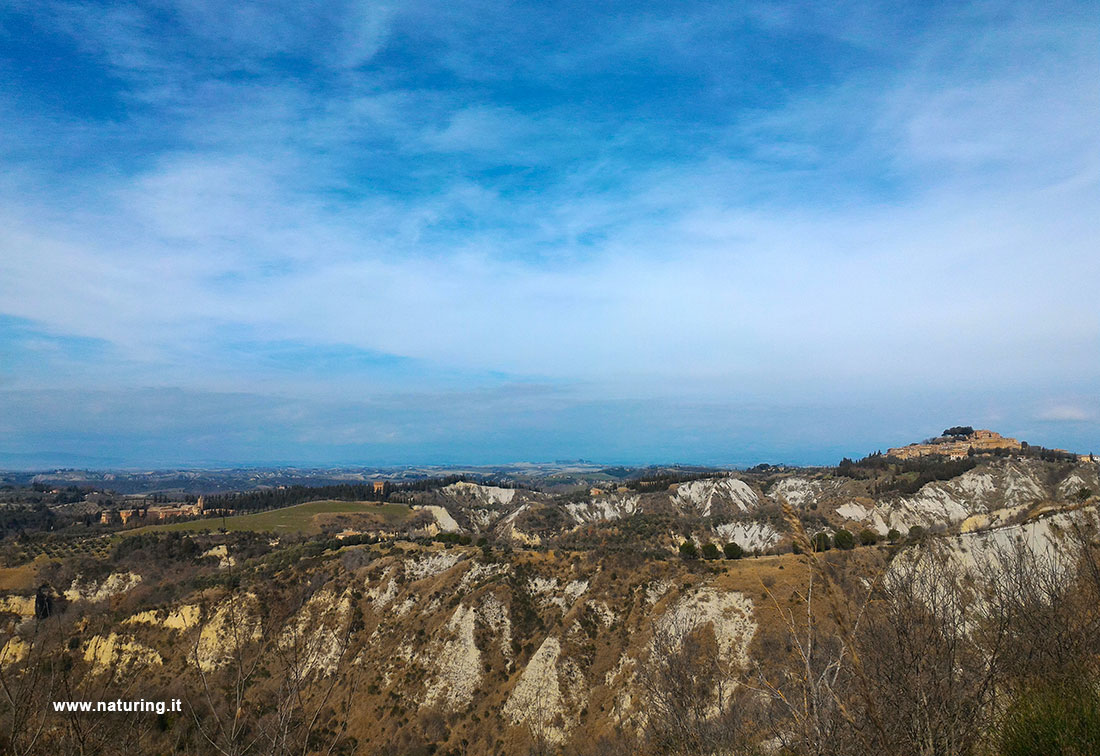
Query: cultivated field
{"points": [[301, 518]]}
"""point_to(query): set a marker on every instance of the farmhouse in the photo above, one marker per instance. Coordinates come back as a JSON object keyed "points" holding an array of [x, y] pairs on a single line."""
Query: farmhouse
{"points": [[158, 513]]}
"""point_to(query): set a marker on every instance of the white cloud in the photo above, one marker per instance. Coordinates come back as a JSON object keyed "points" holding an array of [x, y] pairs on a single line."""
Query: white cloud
{"points": [[928, 224], [1068, 413]]}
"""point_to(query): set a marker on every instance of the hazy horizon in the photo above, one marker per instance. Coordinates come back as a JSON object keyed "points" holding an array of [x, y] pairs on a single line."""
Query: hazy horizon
{"points": [[356, 233]]}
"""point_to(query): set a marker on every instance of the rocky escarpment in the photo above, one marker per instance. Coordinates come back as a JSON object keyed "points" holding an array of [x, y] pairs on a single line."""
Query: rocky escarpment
{"points": [[988, 495], [746, 509], [503, 648]]}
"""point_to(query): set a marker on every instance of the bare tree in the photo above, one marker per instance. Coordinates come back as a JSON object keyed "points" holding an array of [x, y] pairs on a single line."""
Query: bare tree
{"points": [[308, 657], [807, 693], [272, 670], [104, 732], [688, 692], [226, 655], [29, 679], [1051, 597], [811, 690], [539, 719], [53, 668], [931, 646]]}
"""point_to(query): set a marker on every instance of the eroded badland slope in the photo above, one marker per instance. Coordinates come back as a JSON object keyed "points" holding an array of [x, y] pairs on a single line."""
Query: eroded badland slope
{"points": [[542, 633]]}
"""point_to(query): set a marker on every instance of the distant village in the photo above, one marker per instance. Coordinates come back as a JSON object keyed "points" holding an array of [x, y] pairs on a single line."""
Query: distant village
{"points": [[959, 442]]}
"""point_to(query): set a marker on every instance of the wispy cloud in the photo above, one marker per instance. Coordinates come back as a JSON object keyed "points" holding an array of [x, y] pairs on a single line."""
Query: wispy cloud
{"points": [[631, 206], [1069, 413]]}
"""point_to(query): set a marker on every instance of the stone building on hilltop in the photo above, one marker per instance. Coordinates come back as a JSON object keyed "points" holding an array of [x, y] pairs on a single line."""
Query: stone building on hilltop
{"points": [[957, 447]]}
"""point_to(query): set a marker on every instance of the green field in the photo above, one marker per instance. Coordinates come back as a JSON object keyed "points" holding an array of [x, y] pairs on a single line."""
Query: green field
{"points": [[301, 518]]}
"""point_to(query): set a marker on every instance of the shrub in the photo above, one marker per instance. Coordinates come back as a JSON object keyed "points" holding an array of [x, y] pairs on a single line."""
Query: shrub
{"points": [[916, 533], [868, 537], [710, 551], [843, 539], [894, 535], [733, 551], [688, 550], [822, 542], [1062, 719]]}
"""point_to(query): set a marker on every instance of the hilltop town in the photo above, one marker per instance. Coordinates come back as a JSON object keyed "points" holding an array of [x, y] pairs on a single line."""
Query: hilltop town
{"points": [[961, 441], [956, 443]]}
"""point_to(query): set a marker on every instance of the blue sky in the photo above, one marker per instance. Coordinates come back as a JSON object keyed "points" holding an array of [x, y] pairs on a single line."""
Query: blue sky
{"points": [[473, 232]]}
